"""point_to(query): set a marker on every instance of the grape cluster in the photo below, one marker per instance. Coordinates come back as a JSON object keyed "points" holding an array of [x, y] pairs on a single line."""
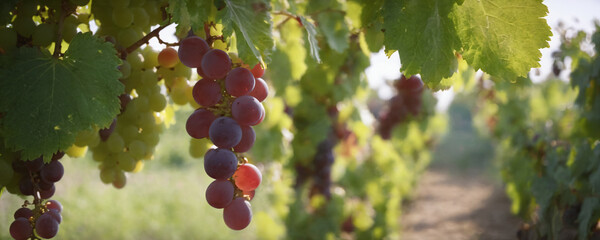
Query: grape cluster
{"points": [[35, 178], [407, 102], [41, 221], [229, 96]]}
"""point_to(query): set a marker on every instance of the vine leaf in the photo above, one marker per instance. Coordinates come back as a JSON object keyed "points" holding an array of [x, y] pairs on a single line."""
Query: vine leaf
{"points": [[251, 22], [335, 30], [588, 209], [502, 37], [424, 34], [190, 13], [46, 101], [311, 32]]}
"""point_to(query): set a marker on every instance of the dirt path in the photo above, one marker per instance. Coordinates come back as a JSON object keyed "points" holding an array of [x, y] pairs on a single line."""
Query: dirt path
{"points": [[452, 205]]}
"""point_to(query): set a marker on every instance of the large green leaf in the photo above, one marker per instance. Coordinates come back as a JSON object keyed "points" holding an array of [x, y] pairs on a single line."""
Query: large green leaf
{"points": [[311, 33], [190, 13], [588, 210], [335, 30], [424, 34], [45, 101], [251, 22], [503, 37]]}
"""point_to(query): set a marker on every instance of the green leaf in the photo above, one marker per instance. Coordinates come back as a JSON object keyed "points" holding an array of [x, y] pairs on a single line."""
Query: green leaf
{"points": [[335, 30], [311, 33], [542, 190], [503, 37], [251, 22], [190, 13], [424, 34], [590, 204], [5, 7], [45, 101]]}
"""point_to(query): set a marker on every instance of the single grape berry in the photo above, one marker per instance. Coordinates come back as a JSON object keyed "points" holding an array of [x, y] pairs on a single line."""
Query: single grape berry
{"points": [[247, 177], [247, 110], [413, 84], [216, 64], [248, 138], [220, 163], [52, 172], [199, 122], [239, 81], [23, 213], [20, 229], [258, 71], [191, 50], [261, 90], [207, 92], [53, 204], [219, 193], [46, 226], [167, 58], [225, 132], [237, 214]]}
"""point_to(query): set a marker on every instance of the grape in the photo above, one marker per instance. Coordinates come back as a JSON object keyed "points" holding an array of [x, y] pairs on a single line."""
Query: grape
{"points": [[19, 166], [128, 36], [24, 25], [247, 177], [220, 163], [119, 3], [219, 193], [53, 204], [76, 152], [52, 172], [23, 213], [126, 162], [122, 17], [191, 50], [168, 58], [140, 17], [258, 71], [105, 132], [239, 81], [150, 58], [45, 194], [261, 90], [20, 229], [120, 179], [69, 28], [115, 143], [413, 84], [44, 185], [125, 69], [216, 64], [46, 226], [199, 123], [43, 35], [35, 164], [108, 175], [247, 110], [198, 70], [237, 214], [248, 138], [157, 102], [137, 149], [55, 214], [26, 186], [207, 92], [225, 132], [58, 155]]}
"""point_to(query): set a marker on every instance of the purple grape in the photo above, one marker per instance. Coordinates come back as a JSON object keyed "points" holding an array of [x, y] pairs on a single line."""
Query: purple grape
{"points": [[261, 90], [45, 194], [52, 172], [225, 132], [53, 204], [55, 214], [220, 163], [105, 132], [248, 138], [239, 82], [247, 110], [191, 50], [46, 226], [216, 64], [237, 214], [26, 186], [207, 92], [219, 193], [199, 122], [23, 213], [20, 229], [35, 164]]}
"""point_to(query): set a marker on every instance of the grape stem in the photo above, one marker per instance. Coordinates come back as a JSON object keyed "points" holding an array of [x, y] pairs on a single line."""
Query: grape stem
{"points": [[145, 39], [59, 29]]}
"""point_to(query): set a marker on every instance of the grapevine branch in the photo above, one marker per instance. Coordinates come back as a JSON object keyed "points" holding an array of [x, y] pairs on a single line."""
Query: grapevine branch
{"points": [[145, 39], [61, 19]]}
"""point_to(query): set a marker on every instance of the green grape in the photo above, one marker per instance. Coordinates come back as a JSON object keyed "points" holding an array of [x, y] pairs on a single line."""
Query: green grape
{"points": [[167, 74], [125, 69], [13, 185], [198, 147], [143, 103], [150, 58], [140, 17], [24, 26], [115, 143], [135, 60], [154, 14], [128, 36], [149, 78], [126, 162], [146, 120], [69, 28], [108, 175], [27, 8], [122, 17], [43, 34], [137, 149], [150, 138], [80, 2], [99, 155], [87, 138], [8, 38], [120, 179], [178, 93], [119, 3], [182, 71], [128, 131], [158, 102], [75, 151], [6, 172]]}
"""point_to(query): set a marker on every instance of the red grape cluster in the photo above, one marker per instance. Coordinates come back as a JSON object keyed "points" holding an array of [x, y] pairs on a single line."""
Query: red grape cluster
{"points": [[407, 101], [37, 179], [230, 97]]}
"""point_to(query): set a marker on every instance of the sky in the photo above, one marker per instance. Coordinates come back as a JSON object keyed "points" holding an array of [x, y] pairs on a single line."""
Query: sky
{"points": [[578, 14]]}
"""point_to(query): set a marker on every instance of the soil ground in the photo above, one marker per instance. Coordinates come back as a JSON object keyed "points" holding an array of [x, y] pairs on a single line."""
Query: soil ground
{"points": [[463, 204]]}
